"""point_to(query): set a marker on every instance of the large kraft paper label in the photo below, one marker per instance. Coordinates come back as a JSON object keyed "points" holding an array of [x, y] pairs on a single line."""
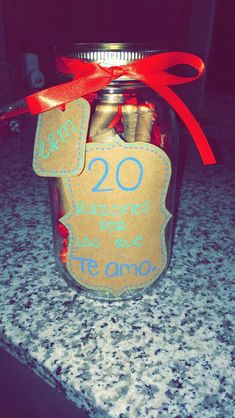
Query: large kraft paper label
{"points": [[117, 216], [59, 148]]}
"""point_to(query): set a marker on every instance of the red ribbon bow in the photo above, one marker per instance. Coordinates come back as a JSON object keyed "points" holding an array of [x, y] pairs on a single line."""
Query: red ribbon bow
{"points": [[90, 77]]}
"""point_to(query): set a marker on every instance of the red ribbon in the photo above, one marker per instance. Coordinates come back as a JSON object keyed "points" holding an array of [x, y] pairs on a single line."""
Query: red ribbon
{"points": [[90, 77]]}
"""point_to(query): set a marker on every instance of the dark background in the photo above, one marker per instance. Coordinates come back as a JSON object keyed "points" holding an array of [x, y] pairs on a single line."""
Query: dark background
{"points": [[204, 27], [221, 66]]}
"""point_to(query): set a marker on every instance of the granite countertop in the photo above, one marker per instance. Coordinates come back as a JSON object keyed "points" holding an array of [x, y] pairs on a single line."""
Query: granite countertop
{"points": [[168, 354]]}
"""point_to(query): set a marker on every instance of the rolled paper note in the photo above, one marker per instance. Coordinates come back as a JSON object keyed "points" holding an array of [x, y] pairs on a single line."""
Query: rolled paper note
{"points": [[144, 123], [104, 114], [105, 137], [130, 115], [112, 98], [64, 204], [164, 141]]}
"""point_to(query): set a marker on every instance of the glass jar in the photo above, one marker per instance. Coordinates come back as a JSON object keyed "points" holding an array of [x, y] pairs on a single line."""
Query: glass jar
{"points": [[119, 227]]}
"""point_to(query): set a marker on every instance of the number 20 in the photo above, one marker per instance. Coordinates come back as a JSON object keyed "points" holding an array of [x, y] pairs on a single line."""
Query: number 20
{"points": [[97, 188]]}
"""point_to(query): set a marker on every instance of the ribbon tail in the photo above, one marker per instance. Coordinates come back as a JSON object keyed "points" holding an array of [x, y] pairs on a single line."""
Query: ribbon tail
{"points": [[13, 113], [190, 122], [61, 94]]}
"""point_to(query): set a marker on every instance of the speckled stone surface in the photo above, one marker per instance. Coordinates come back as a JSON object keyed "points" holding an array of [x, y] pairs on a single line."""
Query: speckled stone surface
{"points": [[168, 354]]}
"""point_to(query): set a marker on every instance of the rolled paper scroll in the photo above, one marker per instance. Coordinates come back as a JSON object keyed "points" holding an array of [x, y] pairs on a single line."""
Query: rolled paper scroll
{"points": [[64, 204], [107, 136], [130, 116], [164, 141], [104, 114], [144, 123]]}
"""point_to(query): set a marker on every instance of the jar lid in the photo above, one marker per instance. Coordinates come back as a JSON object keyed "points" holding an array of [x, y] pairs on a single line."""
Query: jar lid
{"points": [[110, 54], [107, 54]]}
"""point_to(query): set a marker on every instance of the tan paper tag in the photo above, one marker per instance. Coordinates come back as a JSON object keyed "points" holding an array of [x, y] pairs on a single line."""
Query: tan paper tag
{"points": [[117, 216], [60, 140]]}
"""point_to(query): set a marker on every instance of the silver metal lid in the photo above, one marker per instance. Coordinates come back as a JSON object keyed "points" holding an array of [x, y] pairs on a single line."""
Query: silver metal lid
{"points": [[107, 54], [110, 54]]}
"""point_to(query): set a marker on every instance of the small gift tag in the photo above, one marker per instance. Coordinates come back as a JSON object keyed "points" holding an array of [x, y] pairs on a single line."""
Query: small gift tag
{"points": [[59, 149]]}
